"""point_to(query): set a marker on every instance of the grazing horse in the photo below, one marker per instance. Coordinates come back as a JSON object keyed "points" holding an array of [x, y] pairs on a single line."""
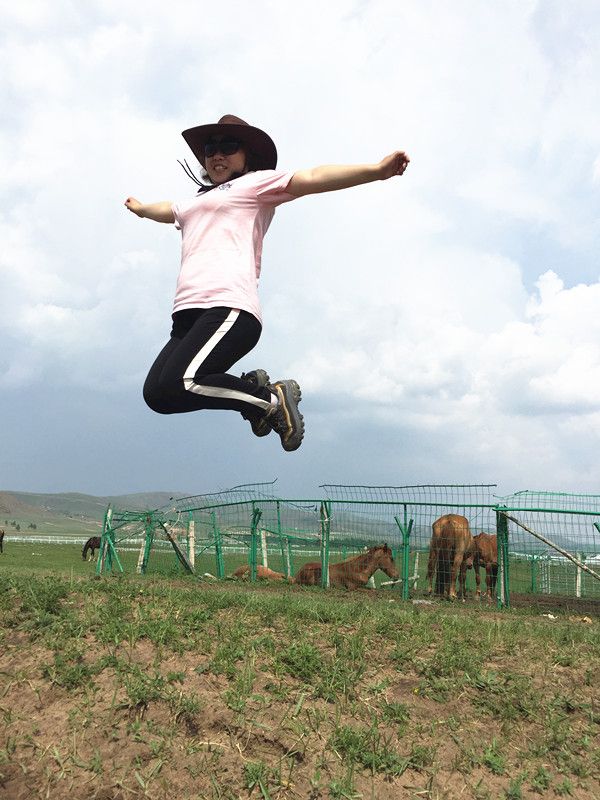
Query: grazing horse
{"points": [[485, 554], [353, 572], [1, 540], [450, 554], [92, 544], [263, 573]]}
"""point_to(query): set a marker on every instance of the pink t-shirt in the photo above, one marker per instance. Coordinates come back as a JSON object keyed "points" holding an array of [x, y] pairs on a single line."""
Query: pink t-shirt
{"points": [[222, 233]]}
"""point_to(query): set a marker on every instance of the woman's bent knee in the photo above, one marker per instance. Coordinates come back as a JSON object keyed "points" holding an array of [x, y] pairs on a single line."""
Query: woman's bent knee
{"points": [[161, 404]]}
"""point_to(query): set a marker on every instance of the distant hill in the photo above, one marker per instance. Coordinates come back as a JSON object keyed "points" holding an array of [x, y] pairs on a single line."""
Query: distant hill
{"points": [[69, 513], [82, 506]]}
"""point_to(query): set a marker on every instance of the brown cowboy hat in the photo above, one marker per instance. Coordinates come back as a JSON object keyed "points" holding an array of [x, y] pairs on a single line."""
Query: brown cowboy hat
{"points": [[256, 141]]}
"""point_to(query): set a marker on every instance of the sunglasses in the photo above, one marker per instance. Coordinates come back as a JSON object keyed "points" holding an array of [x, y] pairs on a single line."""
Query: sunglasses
{"points": [[226, 148]]}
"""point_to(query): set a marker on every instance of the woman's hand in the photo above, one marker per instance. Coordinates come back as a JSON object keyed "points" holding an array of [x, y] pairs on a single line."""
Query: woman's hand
{"points": [[392, 165], [134, 205], [159, 212]]}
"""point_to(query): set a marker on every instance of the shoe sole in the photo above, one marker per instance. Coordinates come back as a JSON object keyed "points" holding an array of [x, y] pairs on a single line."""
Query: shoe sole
{"points": [[260, 427], [293, 418]]}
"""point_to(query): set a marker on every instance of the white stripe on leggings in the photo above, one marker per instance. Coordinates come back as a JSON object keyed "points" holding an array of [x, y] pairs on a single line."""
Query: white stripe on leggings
{"points": [[217, 391]]}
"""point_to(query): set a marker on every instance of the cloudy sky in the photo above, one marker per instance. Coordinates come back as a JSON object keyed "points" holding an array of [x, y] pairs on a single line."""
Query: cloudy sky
{"points": [[444, 326]]}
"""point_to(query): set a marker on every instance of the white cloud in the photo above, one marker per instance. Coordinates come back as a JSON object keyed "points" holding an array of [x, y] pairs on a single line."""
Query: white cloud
{"points": [[407, 301]]}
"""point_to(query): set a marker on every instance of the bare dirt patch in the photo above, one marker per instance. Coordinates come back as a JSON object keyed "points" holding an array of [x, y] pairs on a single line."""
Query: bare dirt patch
{"points": [[276, 693]]}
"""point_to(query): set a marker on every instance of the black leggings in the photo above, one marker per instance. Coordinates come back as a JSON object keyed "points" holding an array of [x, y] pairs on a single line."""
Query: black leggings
{"points": [[190, 372]]}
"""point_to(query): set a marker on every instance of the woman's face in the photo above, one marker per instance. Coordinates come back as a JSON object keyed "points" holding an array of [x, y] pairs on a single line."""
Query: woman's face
{"points": [[221, 166]]}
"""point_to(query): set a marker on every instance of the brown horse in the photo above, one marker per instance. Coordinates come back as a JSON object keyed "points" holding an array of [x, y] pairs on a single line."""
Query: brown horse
{"points": [[262, 573], [1, 540], [92, 544], [353, 572], [450, 554], [485, 554]]}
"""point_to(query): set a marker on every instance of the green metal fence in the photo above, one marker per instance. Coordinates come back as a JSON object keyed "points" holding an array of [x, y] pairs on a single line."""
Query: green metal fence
{"points": [[548, 543], [554, 543]]}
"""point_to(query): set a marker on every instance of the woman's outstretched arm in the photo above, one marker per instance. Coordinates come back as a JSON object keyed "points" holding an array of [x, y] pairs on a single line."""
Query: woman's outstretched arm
{"points": [[331, 178], [159, 212]]}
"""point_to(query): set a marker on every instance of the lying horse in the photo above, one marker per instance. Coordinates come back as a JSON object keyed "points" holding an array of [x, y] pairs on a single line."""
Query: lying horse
{"points": [[353, 572], [1, 541], [92, 544], [263, 573], [450, 555], [485, 554]]}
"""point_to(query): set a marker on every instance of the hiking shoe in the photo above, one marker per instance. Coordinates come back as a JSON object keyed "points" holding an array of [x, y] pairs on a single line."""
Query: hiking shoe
{"points": [[285, 419], [257, 377]]}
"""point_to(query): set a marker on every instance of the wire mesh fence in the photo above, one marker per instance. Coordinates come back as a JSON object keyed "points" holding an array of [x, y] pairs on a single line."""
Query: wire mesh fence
{"points": [[138, 542], [548, 543], [404, 517], [564, 555]]}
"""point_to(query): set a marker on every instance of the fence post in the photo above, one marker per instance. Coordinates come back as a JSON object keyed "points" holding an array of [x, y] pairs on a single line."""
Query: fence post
{"points": [[325, 531], [263, 547], [286, 556], [218, 547], [103, 545], [544, 575], [415, 576], [503, 583], [256, 515], [580, 557], [108, 551], [149, 532], [191, 540], [534, 571], [140, 561], [284, 544], [405, 530]]}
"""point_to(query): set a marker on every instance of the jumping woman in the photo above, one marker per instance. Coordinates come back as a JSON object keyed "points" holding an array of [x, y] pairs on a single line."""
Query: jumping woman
{"points": [[216, 314]]}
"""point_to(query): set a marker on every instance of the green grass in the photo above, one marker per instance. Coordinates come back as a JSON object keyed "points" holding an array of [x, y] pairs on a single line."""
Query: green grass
{"points": [[65, 559], [34, 557], [159, 687]]}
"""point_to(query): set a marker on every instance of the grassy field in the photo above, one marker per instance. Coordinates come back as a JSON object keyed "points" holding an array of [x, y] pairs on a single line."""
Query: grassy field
{"points": [[171, 688], [34, 524], [37, 557], [66, 558]]}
